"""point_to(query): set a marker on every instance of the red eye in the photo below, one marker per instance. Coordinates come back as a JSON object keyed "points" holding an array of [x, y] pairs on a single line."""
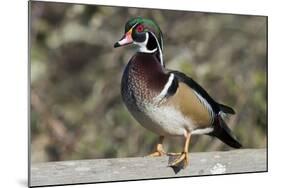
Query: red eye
{"points": [[140, 28]]}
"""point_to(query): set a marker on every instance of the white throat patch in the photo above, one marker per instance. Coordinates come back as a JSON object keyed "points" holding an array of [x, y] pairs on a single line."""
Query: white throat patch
{"points": [[143, 48], [142, 45]]}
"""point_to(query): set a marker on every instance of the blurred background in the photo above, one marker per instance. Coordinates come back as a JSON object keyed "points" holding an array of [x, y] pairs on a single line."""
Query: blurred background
{"points": [[76, 107]]}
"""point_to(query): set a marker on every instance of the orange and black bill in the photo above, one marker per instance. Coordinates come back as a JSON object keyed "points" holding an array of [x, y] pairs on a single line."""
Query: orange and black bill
{"points": [[125, 40]]}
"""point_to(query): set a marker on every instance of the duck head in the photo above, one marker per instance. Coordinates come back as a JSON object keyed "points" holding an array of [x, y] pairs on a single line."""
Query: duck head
{"points": [[144, 33]]}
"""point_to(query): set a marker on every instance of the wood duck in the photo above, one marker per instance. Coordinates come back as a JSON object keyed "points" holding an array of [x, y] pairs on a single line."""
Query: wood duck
{"points": [[167, 102]]}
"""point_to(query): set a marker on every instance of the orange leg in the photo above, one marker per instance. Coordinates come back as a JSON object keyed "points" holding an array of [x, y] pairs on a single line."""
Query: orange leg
{"points": [[184, 155], [159, 148]]}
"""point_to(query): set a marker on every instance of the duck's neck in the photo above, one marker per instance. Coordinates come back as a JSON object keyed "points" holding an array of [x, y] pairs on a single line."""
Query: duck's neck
{"points": [[152, 46]]}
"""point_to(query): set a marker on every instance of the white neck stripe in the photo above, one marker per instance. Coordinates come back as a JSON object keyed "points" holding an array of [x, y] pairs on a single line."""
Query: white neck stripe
{"points": [[143, 48], [160, 50], [142, 45]]}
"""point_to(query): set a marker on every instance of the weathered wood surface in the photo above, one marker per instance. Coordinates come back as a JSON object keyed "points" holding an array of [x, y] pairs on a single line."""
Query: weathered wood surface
{"points": [[102, 170]]}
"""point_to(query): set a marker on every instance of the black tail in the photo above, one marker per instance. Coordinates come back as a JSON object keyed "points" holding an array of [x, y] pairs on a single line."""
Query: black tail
{"points": [[226, 109], [222, 132]]}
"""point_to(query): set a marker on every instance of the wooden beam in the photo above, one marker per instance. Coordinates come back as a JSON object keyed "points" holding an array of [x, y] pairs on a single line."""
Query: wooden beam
{"points": [[118, 169]]}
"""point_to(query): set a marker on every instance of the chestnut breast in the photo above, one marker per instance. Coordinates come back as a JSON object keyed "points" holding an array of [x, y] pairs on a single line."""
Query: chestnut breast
{"points": [[143, 79]]}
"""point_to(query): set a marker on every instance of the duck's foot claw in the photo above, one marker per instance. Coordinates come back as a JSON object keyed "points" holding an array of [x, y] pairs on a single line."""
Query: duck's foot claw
{"points": [[157, 154], [182, 158]]}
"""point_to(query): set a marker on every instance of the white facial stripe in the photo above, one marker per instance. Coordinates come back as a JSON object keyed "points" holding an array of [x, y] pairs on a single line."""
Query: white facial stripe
{"points": [[160, 50], [143, 44], [164, 91], [134, 26], [144, 49]]}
